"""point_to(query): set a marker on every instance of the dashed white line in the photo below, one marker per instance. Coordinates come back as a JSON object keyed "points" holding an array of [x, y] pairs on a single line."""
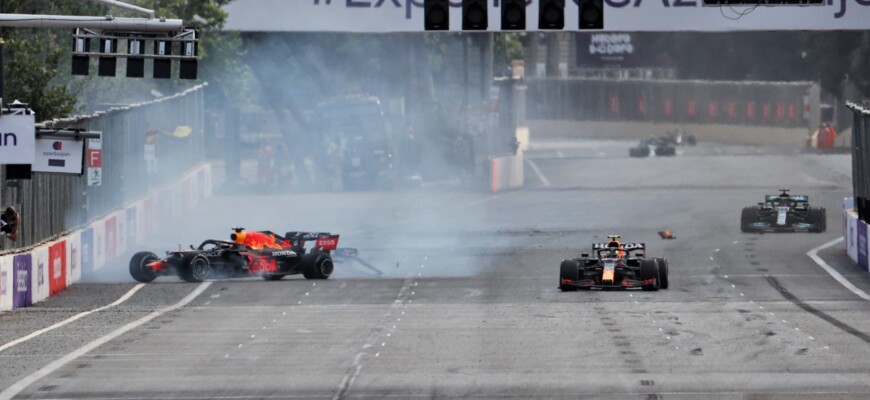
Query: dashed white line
{"points": [[22, 384]]}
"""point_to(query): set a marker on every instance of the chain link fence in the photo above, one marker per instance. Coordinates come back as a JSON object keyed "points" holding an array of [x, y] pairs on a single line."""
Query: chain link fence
{"points": [[775, 104], [52, 204]]}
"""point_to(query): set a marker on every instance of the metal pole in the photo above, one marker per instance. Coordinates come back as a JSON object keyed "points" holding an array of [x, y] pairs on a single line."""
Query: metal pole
{"points": [[106, 23], [119, 4]]}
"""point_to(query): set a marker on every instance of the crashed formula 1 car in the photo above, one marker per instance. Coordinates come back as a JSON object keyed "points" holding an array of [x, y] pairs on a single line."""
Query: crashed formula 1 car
{"points": [[248, 253], [614, 265], [783, 213]]}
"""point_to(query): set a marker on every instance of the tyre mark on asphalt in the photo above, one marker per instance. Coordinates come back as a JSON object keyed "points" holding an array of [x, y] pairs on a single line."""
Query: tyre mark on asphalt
{"points": [[22, 384], [74, 318], [818, 313]]}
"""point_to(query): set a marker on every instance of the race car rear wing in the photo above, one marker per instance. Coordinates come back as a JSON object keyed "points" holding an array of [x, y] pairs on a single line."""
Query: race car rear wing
{"points": [[625, 246], [323, 240], [800, 198]]}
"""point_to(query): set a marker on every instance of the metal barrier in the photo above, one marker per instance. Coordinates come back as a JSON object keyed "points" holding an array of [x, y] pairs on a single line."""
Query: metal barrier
{"points": [[776, 104], [52, 204], [861, 157]]}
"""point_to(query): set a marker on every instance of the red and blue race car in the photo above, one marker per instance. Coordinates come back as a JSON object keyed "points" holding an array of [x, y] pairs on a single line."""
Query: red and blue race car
{"points": [[247, 253]]}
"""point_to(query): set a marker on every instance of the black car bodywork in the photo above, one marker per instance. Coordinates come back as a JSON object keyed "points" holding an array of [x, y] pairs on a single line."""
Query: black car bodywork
{"points": [[612, 267], [258, 253], [660, 147], [783, 213]]}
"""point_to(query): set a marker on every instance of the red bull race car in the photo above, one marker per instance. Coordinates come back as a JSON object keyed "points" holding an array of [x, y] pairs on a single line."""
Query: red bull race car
{"points": [[247, 253], [614, 265]]}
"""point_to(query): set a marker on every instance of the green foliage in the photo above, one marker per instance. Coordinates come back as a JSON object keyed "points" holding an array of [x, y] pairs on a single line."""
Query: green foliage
{"points": [[30, 71]]}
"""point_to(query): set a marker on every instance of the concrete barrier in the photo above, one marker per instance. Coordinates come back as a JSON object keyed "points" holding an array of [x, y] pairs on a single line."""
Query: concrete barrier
{"points": [[44, 270], [506, 172], [855, 235], [731, 134]]}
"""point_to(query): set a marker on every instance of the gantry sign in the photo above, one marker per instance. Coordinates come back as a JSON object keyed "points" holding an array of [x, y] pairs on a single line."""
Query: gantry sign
{"points": [[109, 38], [376, 16]]}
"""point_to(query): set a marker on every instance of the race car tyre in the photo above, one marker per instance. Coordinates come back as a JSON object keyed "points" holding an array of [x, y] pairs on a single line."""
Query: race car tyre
{"points": [[818, 216], [747, 217], [139, 268], [691, 140], [316, 266], [649, 269], [570, 269], [663, 272], [194, 268], [638, 151], [273, 277]]}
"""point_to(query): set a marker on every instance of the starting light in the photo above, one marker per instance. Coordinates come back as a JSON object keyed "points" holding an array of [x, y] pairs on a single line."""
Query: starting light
{"points": [[591, 14], [436, 14], [551, 14], [513, 15], [140, 46], [474, 15], [135, 65]]}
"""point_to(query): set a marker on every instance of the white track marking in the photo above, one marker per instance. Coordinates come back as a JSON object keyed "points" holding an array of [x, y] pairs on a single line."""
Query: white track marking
{"points": [[19, 386], [74, 318], [814, 255], [538, 173], [372, 340]]}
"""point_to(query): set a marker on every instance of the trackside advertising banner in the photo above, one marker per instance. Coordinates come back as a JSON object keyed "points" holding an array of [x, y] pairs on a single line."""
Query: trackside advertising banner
{"points": [[39, 284], [6, 283], [374, 16], [22, 276], [57, 267], [73, 258], [862, 246]]}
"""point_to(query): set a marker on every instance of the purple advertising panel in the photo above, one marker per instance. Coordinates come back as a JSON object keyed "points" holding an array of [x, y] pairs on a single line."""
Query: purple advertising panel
{"points": [[87, 249], [862, 245], [22, 274]]}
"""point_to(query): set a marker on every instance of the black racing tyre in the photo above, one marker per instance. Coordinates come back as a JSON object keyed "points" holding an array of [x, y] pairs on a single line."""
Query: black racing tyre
{"points": [[570, 269], [649, 269], [640, 151], [747, 217], [664, 268], [139, 268], [691, 140], [194, 268], [818, 216], [316, 266], [273, 277]]}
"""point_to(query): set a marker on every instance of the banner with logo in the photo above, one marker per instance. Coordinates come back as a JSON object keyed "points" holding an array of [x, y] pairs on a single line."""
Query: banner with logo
{"points": [[73, 258], [40, 284], [99, 244], [87, 241], [5, 283], [22, 278], [17, 139], [376, 16], [862, 246], [56, 267], [111, 235], [132, 230], [58, 156]]}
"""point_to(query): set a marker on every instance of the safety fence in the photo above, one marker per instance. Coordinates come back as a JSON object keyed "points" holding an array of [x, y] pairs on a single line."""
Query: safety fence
{"points": [[774, 104], [144, 146], [857, 208], [43, 270]]}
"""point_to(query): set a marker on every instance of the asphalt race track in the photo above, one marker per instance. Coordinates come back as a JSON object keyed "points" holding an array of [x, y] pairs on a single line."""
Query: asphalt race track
{"points": [[456, 295]]}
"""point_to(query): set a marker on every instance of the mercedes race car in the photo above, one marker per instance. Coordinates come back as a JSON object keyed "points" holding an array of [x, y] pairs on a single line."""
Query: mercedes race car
{"points": [[248, 253], [614, 265], [659, 147], [783, 213]]}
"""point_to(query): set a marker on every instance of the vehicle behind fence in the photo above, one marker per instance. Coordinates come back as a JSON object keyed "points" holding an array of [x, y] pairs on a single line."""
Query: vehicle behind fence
{"points": [[144, 146]]}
